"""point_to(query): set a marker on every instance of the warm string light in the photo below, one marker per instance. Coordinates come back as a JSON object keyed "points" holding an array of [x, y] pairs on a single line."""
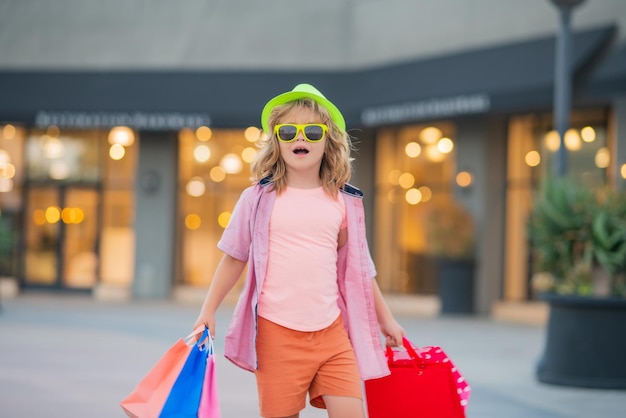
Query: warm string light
{"points": [[120, 138], [464, 179], [54, 214]]}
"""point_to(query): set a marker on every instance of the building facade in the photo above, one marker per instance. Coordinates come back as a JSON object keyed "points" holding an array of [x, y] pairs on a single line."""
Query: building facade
{"points": [[127, 132]]}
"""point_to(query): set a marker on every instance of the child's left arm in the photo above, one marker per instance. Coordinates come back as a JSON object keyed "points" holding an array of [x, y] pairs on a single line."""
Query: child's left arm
{"points": [[390, 328]]}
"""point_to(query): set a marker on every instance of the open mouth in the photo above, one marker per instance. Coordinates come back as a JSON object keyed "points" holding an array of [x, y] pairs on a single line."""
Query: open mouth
{"points": [[300, 151]]}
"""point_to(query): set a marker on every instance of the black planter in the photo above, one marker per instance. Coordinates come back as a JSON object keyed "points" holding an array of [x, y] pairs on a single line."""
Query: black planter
{"points": [[585, 343], [456, 286]]}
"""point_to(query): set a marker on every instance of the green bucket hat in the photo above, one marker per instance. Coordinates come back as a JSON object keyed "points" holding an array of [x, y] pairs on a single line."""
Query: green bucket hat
{"points": [[302, 91]]}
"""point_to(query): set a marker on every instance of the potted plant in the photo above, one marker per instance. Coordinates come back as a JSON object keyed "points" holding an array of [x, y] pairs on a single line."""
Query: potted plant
{"points": [[450, 240], [578, 246]]}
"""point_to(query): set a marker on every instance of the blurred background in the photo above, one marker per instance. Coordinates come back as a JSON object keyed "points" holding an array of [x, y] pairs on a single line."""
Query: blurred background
{"points": [[127, 128]]}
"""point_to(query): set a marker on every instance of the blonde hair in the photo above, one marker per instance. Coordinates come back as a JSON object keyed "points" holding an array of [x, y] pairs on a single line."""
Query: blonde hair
{"points": [[336, 168]]}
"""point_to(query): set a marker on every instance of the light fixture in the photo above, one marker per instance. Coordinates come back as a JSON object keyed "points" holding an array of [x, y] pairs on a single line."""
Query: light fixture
{"points": [[217, 174], [413, 196], [464, 179], [59, 170], [7, 171], [602, 158], [572, 140], [445, 145], [533, 158], [552, 140], [195, 187], [193, 221], [248, 154], [117, 152], [72, 215], [202, 153], [121, 135], [430, 135], [8, 132], [252, 133], [223, 219], [231, 163], [406, 180], [588, 134], [53, 148], [204, 133], [53, 214], [39, 217], [623, 171], [413, 149], [427, 194], [5, 158], [433, 153]]}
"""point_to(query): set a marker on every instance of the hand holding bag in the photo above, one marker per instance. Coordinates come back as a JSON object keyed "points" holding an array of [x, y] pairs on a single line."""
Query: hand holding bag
{"points": [[184, 398], [420, 385], [150, 394]]}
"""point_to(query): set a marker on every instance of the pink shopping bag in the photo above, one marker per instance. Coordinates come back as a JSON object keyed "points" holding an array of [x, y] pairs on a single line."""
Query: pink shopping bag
{"points": [[209, 401], [435, 354], [149, 396]]}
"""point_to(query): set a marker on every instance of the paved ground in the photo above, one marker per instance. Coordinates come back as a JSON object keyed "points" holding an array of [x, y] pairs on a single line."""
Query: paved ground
{"points": [[70, 356]]}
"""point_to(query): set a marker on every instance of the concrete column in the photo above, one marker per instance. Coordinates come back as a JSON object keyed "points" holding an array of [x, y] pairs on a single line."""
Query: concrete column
{"points": [[481, 150], [156, 198]]}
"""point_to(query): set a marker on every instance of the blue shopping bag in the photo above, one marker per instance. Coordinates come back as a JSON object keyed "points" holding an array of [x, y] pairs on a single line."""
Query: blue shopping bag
{"points": [[184, 398]]}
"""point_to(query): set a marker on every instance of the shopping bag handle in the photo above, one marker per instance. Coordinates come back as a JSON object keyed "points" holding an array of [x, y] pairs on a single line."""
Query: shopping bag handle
{"points": [[198, 336], [199, 330], [409, 348]]}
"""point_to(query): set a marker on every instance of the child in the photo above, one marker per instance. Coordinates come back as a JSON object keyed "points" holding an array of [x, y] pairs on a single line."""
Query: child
{"points": [[309, 314]]}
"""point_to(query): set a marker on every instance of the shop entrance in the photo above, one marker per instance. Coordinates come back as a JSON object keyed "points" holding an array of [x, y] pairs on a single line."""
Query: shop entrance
{"points": [[61, 236]]}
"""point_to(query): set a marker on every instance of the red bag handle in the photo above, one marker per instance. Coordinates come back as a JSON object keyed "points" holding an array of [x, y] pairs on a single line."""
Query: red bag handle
{"points": [[409, 348]]}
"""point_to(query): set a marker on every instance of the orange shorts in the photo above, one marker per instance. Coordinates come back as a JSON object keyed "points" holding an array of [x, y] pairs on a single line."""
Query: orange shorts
{"points": [[292, 363]]}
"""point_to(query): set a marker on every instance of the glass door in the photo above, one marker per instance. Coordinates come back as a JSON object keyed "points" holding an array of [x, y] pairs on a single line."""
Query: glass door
{"points": [[42, 235], [61, 237]]}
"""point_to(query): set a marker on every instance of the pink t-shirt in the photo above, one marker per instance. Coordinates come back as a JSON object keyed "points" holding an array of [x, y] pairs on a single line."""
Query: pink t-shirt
{"points": [[300, 289]]}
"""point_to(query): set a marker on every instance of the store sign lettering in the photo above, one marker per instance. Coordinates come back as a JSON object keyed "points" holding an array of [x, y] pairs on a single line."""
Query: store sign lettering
{"points": [[426, 109], [136, 120]]}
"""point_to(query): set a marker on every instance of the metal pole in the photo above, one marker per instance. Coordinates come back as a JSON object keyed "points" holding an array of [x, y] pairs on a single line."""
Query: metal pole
{"points": [[562, 87], [563, 80]]}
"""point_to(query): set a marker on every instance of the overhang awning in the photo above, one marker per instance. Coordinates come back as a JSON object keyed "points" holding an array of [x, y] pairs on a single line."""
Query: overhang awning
{"points": [[512, 77], [609, 78]]}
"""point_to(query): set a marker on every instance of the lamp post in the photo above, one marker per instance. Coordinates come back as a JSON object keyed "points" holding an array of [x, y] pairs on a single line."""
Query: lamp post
{"points": [[563, 79]]}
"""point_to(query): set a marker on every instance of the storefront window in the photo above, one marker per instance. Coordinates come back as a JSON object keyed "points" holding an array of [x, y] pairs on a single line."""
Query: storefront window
{"points": [[532, 151], [414, 173], [79, 207], [11, 182], [67, 156], [119, 153], [214, 170], [62, 207]]}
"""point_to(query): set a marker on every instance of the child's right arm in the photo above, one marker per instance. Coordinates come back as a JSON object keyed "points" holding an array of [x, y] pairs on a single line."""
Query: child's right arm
{"points": [[226, 275]]}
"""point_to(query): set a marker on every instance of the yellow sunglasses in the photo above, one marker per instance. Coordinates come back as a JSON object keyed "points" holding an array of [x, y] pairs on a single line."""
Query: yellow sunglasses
{"points": [[288, 132]]}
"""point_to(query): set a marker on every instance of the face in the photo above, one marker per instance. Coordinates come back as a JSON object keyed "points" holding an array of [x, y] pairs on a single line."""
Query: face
{"points": [[300, 155]]}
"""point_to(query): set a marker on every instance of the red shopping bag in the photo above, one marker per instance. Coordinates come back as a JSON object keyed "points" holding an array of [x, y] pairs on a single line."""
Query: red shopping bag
{"points": [[149, 396], [420, 385]]}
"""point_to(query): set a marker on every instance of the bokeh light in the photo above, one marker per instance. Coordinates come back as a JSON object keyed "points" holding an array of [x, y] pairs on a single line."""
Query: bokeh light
{"points": [[533, 158]]}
